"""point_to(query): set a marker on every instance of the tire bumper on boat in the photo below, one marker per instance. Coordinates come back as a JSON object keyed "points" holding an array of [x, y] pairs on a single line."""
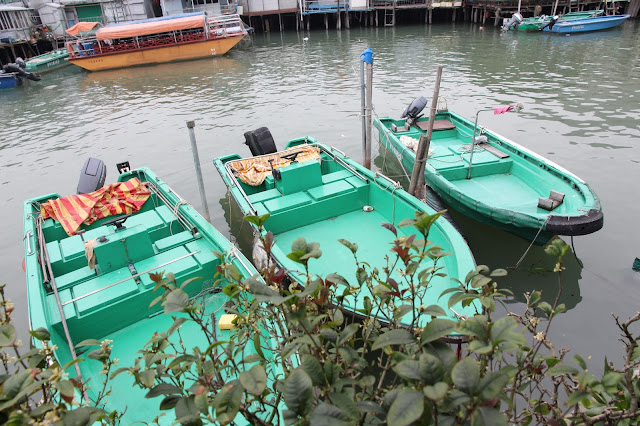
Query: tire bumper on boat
{"points": [[576, 225]]}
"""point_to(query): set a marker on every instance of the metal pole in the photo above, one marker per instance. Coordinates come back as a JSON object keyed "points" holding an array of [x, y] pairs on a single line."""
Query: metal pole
{"points": [[416, 187], [367, 56], [363, 109], [473, 139], [196, 160]]}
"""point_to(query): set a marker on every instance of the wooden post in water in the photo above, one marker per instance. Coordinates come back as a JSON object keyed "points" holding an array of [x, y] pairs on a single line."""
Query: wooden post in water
{"points": [[196, 160], [367, 62], [416, 186]]}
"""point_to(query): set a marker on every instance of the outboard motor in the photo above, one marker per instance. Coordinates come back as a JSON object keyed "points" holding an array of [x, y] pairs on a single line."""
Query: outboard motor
{"points": [[552, 22], [260, 141], [19, 67], [92, 176], [516, 19], [415, 108]]}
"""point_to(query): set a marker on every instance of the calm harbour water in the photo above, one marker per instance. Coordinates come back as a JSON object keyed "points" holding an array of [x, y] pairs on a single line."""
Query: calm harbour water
{"points": [[581, 96]]}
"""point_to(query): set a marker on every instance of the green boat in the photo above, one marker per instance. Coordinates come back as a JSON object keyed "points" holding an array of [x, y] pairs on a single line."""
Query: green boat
{"points": [[498, 182], [324, 196], [48, 61], [537, 23], [111, 300]]}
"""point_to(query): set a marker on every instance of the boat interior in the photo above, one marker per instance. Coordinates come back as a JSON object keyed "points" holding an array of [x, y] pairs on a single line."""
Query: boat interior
{"points": [[327, 200], [494, 164], [119, 290]]}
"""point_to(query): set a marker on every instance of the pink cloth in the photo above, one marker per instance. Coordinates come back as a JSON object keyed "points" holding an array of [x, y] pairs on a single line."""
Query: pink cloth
{"points": [[502, 110]]}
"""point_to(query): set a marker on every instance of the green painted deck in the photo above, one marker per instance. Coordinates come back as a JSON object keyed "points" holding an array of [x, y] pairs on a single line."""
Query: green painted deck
{"points": [[112, 301], [324, 204], [374, 243], [139, 408]]}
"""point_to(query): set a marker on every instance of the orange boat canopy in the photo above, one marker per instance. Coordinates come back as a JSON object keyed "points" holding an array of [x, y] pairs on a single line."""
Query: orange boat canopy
{"points": [[81, 27], [151, 26]]}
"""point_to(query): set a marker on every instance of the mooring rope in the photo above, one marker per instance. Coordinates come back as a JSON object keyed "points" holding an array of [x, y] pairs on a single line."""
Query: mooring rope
{"points": [[532, 242]]}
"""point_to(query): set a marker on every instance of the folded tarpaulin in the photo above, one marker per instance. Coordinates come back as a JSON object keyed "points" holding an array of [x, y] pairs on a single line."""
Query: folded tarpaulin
{"points": [[253, 171], [117, 198], [81, 27]]}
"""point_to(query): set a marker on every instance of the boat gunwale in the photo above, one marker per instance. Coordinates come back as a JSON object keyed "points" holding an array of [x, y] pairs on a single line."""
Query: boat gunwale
{"points": [[448, 190]]}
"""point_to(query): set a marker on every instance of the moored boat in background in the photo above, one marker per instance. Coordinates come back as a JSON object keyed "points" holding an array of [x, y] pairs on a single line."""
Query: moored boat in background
{"points": [[157, 40], [594, 23], [494, 180], [48, 61], [9, 80]]}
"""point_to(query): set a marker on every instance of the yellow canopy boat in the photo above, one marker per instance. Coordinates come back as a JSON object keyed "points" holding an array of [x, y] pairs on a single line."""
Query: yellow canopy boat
{"points": [[157, 40]]}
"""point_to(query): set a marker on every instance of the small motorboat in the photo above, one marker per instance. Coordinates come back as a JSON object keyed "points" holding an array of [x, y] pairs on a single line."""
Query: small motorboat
{"points": [[492, 179], [316, 192]]}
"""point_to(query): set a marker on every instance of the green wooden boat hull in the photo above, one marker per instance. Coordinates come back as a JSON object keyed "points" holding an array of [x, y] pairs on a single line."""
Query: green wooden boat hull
{"points": [[331, 207], [121, 312], [48, 61], [502, 192]]}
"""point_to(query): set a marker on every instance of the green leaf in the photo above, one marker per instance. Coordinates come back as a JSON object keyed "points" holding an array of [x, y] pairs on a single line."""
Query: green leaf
{"points": [[66, 388], [254, 380], [147, 378], [328, 415], [487, 416], [534, 298], [7, 334], [560, 369], [580, 361], [498, 273], [347, 333], [227, 402], [186, 410], [393, 337], [576, 397], [258, 221], [434, 311], [312, 367], [169, 402], [351, 246], [298, 389], [401, 311], [437, 328], [493, 384], [41, 334], [408, 369], [163, 389], [546, 308], [431, 368], [436, 392], [177, 301], [406, 408], [88, 342], [466, 375], [345, 402], [502, 330], [176, 325]]}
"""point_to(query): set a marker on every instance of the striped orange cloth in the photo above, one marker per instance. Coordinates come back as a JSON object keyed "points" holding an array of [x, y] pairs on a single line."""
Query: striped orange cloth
{"points": [[253, 171], [117, 198]]}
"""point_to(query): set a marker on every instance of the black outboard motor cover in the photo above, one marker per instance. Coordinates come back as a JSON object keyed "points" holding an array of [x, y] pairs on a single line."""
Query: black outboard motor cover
{"points": [[260, 141], [415, 108], [92, 176]]}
